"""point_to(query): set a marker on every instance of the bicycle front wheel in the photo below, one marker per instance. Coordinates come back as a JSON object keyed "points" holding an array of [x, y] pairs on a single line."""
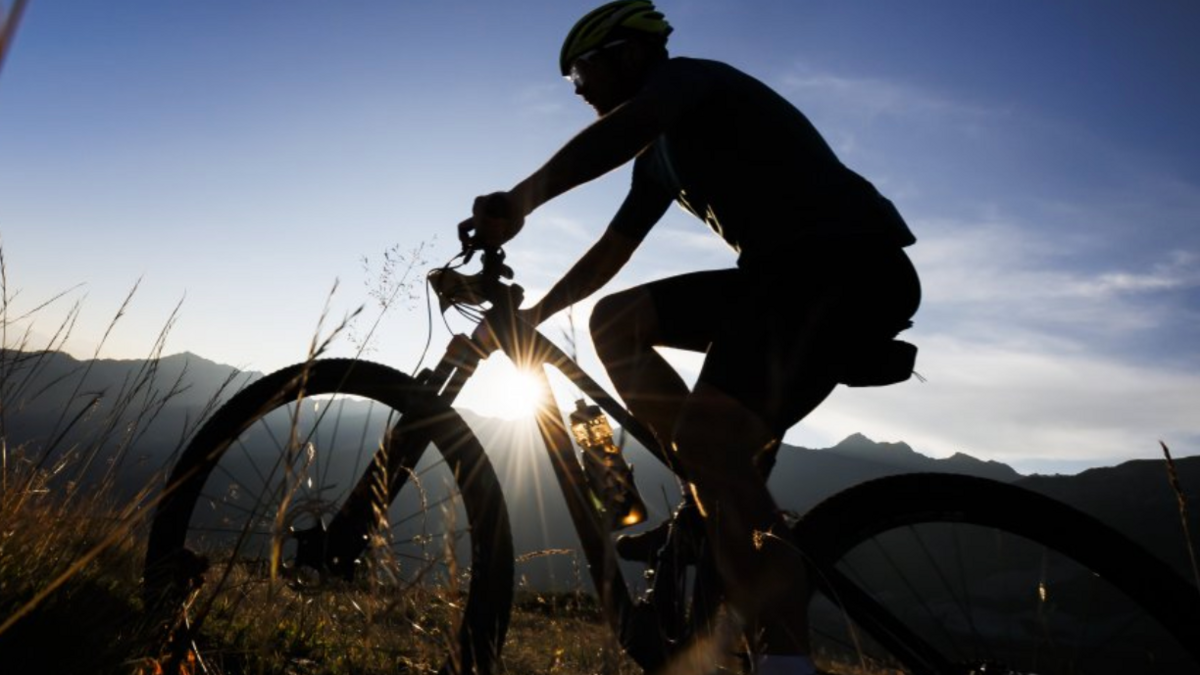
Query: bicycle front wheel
{"points": [[330, 513], [951, 574]]}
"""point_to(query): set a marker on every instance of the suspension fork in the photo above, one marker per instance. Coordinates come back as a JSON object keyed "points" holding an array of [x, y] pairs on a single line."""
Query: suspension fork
{"points": [[338, 545]]}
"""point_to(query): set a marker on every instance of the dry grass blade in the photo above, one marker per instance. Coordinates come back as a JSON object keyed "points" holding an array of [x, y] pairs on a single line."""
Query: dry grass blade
{"points": [[8, 27], [1173, 477]]}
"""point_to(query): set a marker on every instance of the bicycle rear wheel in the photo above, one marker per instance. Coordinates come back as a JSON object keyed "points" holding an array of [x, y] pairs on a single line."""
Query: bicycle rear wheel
{"points": [[327, 513], [951, 574]]}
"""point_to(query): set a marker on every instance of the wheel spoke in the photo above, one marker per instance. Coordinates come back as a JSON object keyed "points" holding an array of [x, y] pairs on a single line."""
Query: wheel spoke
{"points": [[977, 579], [272, 461]]}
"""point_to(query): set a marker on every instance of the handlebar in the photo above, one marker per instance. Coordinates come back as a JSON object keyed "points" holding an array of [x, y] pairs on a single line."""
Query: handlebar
{"points": [[493, 261], [453, 288]]}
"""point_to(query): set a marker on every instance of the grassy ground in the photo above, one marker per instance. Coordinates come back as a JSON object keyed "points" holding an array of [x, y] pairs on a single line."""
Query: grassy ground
{"points": [[71, 556], [69, 600]]}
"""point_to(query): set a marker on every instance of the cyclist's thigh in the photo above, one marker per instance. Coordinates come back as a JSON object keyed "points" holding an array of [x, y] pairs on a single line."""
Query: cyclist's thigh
{"points": [[692, 308], [776, 350], [767, 354]]}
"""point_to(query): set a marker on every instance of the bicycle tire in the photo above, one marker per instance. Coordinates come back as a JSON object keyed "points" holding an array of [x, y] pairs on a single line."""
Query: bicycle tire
{"points": [[406, 577], [1121, 585], [673, 623]]}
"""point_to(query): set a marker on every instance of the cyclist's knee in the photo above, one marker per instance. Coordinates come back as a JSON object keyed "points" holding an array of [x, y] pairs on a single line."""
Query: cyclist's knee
{"points": [[622, 319]]}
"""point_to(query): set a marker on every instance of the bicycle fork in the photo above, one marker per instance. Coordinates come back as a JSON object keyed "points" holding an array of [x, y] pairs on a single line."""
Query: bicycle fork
{"points": [[335, 548]]}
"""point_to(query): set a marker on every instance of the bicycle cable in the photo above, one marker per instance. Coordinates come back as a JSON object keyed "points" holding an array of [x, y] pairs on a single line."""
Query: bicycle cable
{"points": [[470, 313]]}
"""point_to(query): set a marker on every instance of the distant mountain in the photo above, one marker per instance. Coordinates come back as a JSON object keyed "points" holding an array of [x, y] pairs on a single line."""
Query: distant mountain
{"points": [[1136, 498], [803, 476], [1133, 497], [45, 380], [902, 456], [133, 412], [151, 406]]}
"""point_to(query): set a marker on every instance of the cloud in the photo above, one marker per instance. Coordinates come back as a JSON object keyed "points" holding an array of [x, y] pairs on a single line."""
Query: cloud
{"points": [[1178, 271], [1023, 406], [1012, 280], [693, 237], [871, 97], [561, 225], [541, 100], [1038, 353]]}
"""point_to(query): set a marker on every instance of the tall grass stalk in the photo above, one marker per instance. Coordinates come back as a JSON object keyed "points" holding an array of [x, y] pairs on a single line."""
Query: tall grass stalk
{"points": [[264, 619], [70, 557], [1173, 477], [9, 20], [71, 550]]}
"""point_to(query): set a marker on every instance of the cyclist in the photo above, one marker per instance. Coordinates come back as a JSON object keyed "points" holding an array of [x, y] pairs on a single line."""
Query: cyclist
{"points": [[820, 269]]}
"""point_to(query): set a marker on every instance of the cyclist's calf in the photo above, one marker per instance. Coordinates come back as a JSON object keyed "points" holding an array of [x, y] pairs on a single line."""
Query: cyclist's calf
{"points": [[717, 440]]}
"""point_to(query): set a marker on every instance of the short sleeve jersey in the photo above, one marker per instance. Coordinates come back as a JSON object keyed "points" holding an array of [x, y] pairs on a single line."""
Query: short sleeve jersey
{"points": [[748, 163]]}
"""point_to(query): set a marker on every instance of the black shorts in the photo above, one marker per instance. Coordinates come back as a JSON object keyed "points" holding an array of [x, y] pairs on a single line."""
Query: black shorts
{"points": [[773, 332]]}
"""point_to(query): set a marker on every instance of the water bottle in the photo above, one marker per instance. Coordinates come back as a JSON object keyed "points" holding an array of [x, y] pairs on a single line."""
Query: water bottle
{"points": [[609, 477]]}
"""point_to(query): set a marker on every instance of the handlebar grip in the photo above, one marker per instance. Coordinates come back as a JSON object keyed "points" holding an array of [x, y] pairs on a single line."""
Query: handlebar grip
{"points": [[495, 205]]}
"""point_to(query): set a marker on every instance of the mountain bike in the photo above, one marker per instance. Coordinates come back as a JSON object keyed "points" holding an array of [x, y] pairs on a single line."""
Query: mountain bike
{"points": [[349, 484]]}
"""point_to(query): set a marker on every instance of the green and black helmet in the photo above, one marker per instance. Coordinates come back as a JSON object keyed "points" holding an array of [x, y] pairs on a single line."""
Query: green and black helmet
{"points": [[611, 23]]}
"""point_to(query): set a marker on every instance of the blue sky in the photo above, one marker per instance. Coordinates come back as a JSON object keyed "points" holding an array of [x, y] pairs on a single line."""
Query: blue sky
{"points": [[244, 156]]}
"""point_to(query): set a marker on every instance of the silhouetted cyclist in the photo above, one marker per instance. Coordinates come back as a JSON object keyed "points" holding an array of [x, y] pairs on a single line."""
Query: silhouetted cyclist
{"points": [[820, 269]]}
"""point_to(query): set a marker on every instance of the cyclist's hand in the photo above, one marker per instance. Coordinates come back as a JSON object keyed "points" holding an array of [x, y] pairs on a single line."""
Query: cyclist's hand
{"points": [[494, 220]]}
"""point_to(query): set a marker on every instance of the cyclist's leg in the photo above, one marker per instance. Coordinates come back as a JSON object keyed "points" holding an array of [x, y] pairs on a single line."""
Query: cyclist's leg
{"points": [[769, 367], [678, 312], [717, 439]]}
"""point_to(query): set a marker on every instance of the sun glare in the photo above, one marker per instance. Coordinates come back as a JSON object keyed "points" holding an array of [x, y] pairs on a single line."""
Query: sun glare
{"points": [[505, 391]]}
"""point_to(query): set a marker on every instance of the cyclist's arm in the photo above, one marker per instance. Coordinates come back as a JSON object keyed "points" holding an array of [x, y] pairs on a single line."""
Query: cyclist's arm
{"points": [[607, 144], [594, 269], [642, 208]]}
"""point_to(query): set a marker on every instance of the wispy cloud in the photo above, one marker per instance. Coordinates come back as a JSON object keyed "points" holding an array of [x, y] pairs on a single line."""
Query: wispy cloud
{"points": [[873, 97], [546, 99], [1023, 406], [1014, 279], [1179, 271]]}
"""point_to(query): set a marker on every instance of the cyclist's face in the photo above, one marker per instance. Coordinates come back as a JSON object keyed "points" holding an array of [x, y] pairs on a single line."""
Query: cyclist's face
{"points": [[599, 79]]}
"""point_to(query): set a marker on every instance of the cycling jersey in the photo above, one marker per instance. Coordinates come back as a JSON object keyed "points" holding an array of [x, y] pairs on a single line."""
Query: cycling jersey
{"points": [[749, 164]]}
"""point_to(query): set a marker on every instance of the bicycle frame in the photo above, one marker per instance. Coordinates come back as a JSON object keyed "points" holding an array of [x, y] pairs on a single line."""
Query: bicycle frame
{"points": [[685, 589], [502, 331], [635, 624], [638, 626]]}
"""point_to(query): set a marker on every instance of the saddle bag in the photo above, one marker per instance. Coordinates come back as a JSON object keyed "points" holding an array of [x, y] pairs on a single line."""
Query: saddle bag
{"points": [[878, 364]]}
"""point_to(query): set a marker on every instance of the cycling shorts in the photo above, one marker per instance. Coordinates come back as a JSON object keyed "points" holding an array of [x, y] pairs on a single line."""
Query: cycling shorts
{"points": [[773, 335]]}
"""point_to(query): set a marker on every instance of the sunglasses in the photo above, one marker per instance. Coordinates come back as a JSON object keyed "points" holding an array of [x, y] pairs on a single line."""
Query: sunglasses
{"points": [[582, 63]]}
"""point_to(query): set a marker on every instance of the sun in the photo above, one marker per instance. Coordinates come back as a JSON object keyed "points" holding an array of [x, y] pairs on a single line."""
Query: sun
{"points": [[500, 389]]}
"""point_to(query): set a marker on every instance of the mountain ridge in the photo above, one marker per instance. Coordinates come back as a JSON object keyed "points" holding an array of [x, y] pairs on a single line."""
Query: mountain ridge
{"points": [[1132, 496]]}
